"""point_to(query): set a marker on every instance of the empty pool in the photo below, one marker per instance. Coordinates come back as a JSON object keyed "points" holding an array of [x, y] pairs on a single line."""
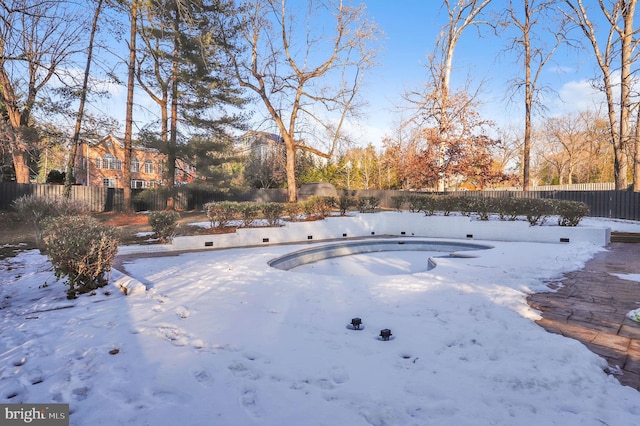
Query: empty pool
{"points": [[372, 257]]}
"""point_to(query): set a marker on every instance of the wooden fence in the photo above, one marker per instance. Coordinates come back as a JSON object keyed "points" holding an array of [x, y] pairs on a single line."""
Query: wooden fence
{"points": [[610, 204], [102, 199]]}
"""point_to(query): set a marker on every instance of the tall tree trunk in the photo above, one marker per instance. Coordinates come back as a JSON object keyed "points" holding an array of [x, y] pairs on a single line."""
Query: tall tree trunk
{"points": [[627, 43], [636, 154], [292, 189], [68, 179], [173, 128], [16, 122], [128, 130], [528, 102]]}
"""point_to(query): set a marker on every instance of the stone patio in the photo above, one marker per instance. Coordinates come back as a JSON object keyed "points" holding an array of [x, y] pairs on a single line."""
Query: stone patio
{"points": [[591, 306]]}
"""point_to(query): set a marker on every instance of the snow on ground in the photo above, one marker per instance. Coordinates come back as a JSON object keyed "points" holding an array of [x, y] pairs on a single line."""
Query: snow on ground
{"points": [[221, 338]]}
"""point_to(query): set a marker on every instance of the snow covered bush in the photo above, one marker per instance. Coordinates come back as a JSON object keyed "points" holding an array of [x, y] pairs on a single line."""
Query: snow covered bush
{"points": [[38, 209], [80, 249], [164, 224]]}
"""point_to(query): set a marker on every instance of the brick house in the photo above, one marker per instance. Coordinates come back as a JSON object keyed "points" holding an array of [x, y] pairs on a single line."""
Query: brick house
{"points": [[99, 163]]}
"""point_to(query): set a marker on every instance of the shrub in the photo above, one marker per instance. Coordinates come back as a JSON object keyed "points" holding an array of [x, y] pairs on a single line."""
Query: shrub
{"points": [[81, 249], [482, 206], [448, 204], [368, 204], [327, 204], [398, 202], [319, 206], [37, 209], [538, 210], [345, 202], [309, 207], [414, 202], [221, 213], [463, 204], [272, 212], [509, 208], [293, 210], [428, 204], [164, 224], [248, 212], [570, 212]]}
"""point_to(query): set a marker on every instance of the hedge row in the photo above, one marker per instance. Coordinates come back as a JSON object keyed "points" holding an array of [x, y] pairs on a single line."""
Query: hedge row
{"points": [[222, 213], [536, 210]]}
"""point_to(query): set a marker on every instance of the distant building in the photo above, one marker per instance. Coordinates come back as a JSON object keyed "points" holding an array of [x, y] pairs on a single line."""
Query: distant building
{"points": [[99, 163], [259, 145]]}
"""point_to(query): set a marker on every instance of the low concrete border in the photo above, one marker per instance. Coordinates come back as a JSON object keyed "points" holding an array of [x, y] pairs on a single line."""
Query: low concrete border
{"points": [[383, 223]]}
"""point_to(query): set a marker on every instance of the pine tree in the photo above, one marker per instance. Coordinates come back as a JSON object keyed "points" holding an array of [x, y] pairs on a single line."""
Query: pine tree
{"points": [[182, 67]]}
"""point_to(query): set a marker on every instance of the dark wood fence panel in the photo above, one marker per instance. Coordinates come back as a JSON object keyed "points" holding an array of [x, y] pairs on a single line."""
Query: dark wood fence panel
{"points": [[610, 204]]}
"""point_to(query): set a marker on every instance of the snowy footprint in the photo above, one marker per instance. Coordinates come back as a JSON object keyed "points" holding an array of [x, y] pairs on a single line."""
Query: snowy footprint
{"points": [[248, 399], [203, 377], [240, 369]]}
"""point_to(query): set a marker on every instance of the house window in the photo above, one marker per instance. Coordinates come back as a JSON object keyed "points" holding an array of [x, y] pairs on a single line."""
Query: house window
{"points": [[160, 168], [98, 163], [109, 162], [135, 165], [148, 166], [137, 184], [109, 182], [118, 164]]}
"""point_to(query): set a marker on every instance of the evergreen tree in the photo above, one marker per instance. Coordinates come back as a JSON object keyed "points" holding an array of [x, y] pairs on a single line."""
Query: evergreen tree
{"points": [[182, 68]]}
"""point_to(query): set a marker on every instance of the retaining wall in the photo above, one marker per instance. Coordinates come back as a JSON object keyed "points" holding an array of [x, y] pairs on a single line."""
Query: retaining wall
{"points": [[383, 224]]}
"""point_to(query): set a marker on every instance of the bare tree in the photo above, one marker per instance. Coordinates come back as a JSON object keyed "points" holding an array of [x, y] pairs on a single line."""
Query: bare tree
{"points": [[508, 151], [619, 42], [462, 14], [68, 181], [36, 38], [305, 75], [531, 18], [575, 146], [565, 146]]}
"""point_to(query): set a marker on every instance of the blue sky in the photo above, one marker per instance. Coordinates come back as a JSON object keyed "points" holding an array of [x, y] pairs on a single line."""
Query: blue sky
{"points": [[411, 28]]}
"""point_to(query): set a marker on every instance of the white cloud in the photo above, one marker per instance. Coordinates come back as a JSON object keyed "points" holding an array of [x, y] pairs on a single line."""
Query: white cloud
{"points": [[578, 95]]}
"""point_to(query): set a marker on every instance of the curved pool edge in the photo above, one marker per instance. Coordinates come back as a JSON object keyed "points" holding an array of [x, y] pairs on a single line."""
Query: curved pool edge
{"points": [[327, 251]]}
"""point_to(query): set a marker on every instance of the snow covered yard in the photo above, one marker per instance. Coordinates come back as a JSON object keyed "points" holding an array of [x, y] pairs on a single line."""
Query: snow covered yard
{"points": [[221, 338]]}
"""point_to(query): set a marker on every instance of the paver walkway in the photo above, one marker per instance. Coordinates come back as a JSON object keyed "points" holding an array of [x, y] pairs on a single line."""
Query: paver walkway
{"points": [[591, 306]]}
